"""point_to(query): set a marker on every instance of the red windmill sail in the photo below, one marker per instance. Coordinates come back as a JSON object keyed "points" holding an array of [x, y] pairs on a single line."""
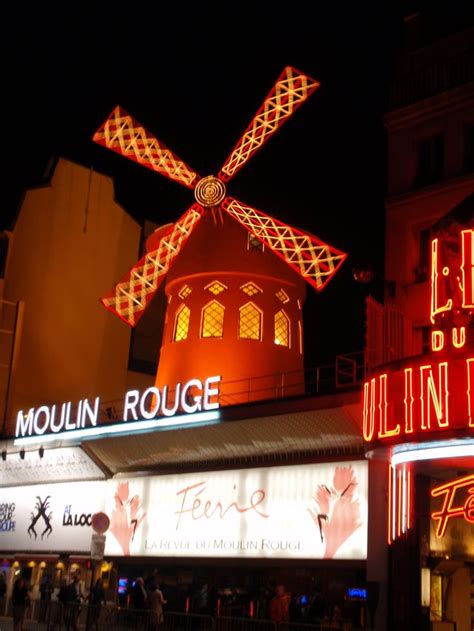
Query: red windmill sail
{"points": [[314, 259]]}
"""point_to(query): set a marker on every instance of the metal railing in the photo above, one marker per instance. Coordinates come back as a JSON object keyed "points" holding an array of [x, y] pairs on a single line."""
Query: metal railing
{"points": [[82, 617]]}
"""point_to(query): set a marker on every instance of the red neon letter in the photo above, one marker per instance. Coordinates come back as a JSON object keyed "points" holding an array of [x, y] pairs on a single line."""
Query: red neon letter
{"points": [[369, 410], [409, 399], [384, 432], [434, 397], [437, 340], [470, 384], [467, 269], [435, 283], [447, 511]]}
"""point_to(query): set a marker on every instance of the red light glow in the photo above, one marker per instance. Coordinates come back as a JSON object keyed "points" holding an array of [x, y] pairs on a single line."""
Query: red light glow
{"points": [[448, 511]]}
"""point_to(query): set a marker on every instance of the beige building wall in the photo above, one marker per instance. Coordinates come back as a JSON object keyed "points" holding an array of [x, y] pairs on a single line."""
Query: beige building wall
{"points": [[71, 242]]}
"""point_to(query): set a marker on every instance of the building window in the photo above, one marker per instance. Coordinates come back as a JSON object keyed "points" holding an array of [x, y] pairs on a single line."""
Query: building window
{"points": [[251, 289], [212, 321], [424, 256], [181, 323], [250, 322], [282, 329], [282, 296], [254, 244], [430, 161], [184, 292], [469, 147], [215, 287]]}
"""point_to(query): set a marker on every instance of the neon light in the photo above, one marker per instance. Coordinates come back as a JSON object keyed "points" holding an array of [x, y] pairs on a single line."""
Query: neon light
{"points": [[389, 511], [124, 428], [409, 499], [404, 500], [439, 450], [394, 502], [409, 406], [447, 511], [399, 502], [435, 307], [459, 336], [470, 381], [437, 340], [369, 427], [384, 432], [429, 396], [467, 268]]}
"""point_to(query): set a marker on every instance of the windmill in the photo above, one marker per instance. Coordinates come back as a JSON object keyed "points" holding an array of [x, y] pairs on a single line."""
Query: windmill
{"points": [[311, 258]]}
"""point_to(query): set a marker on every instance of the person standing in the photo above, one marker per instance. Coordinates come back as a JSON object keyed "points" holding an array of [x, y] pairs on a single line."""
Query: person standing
{"points": [[156, 602], [279, 605], [20, 602], [46, 590], [97, 599]]}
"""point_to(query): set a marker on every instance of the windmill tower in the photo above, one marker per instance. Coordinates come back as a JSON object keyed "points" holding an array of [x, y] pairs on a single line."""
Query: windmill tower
{"points": [[234, 308]]}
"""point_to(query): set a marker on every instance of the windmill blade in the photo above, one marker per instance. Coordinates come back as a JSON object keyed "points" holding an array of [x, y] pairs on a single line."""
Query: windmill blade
{"points": [[124, 135], [130, 297], [315, 260], [289, 92]]}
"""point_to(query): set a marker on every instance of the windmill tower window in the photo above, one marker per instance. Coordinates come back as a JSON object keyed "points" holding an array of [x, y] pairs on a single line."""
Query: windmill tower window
{"points": [[215, 287], [181, 324], [282, 296], [282, 329], [212, 321], [250, 322], [184, 291], [254, 244], [251, 289]]}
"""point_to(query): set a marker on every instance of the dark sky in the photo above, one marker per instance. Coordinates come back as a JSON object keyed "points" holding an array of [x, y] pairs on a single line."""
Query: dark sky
{"points": [[194, 74]]}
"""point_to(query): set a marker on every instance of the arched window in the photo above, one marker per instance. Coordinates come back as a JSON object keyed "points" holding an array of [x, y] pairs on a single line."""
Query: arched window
{"points": [[212, 320], [282, 329], [250, 322], [181, 323]]}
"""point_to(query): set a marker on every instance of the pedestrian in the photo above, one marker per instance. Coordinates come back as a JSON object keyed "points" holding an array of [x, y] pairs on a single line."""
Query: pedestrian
{"points": [[279, 605], [73, 600], [20, 602], [140, 603], [46, 590], [97, 599], [156, 602]]}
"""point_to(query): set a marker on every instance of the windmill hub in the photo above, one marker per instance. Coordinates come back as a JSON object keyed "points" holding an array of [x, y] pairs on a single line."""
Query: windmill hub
{"points": [[210, 191]]}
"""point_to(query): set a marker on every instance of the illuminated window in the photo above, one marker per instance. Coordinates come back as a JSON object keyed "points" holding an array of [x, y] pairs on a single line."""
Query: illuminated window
{"points": [[250, 322], [181, 325], [282, 296], [184, 292], [254, 244], [250, 289], [282, 329], [212, 323], [215, 288]]}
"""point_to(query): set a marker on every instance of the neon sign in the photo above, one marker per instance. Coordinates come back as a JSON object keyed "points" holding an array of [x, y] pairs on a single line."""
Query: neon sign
{"points": [[418, 399], [194, 396], [452, 281], [451, 492]]}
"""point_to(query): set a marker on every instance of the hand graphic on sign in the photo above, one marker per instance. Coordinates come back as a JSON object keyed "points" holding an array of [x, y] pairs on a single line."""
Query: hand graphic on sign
{"points": [[126, 516], [338, 513]]}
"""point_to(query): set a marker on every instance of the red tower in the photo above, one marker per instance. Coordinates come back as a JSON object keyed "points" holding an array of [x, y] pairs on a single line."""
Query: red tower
{"points": [[234, 308]]}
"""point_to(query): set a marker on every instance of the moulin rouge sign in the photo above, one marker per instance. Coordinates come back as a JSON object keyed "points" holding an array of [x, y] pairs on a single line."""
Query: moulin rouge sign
{"points": [[192, 397], [437, 393]]}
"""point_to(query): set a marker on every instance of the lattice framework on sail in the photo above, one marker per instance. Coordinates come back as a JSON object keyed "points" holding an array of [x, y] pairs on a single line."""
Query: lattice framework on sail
{"points": [[124, 135], [132, 294], [290, 91], [315, 260]]}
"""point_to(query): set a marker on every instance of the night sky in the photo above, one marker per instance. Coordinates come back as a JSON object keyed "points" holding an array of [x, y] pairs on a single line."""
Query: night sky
{"points": [[194, 74]]}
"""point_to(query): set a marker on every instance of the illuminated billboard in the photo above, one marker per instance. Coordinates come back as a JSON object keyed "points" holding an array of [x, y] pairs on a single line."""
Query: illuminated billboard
{"points": [[315, 511], [49, 517]]}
